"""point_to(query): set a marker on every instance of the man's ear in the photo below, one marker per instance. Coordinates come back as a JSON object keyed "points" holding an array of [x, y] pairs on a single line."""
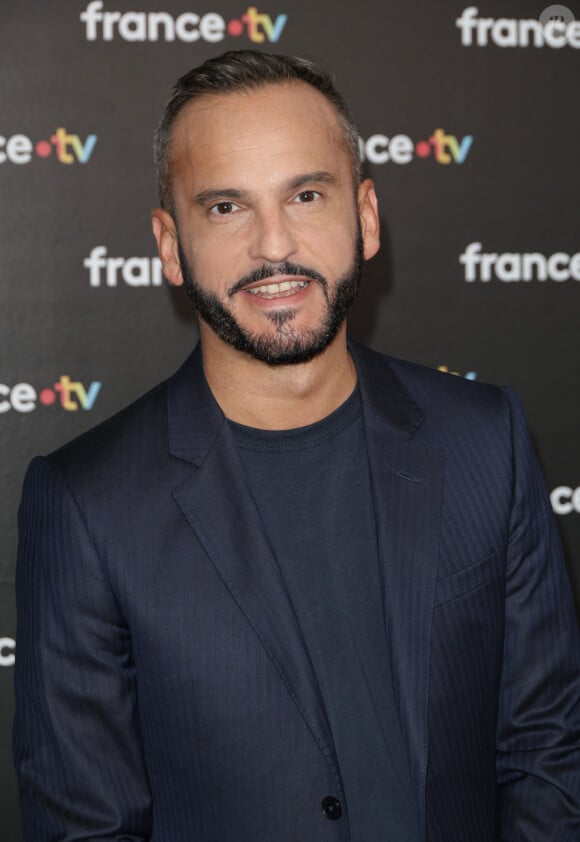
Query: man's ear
{"points": [[165, 233], [368, 211]]}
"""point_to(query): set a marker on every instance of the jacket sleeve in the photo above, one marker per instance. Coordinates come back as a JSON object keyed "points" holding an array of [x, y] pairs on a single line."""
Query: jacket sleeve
{"points": [[76, 734], [538, 739]]}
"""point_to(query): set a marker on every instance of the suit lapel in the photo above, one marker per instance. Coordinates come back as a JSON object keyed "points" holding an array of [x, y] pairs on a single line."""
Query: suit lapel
{"points": [[406, 477], [215, 500]]}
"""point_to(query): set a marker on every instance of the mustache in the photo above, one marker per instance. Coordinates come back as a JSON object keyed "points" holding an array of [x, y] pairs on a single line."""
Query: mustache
{"points": [[266, 271]]}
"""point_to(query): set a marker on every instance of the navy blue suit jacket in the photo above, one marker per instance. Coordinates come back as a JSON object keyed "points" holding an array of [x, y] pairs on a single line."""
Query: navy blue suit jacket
{"points": [[164, 691]]}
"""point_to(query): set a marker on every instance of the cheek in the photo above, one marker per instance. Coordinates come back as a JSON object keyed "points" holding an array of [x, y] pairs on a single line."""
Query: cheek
{"points": [[331, 245], [216, 268]]}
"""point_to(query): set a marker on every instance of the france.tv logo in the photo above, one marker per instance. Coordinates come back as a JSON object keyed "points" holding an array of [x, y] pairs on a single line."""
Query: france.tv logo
{"points": [[257, 26], [67, 148], [67, 394]]}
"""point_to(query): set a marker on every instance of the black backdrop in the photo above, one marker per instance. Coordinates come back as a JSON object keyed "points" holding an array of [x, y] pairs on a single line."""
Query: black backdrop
{"points": [[470, 131]]}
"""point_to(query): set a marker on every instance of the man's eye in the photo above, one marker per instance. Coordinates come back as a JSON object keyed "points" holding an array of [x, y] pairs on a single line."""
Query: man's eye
{"points": [[307, 196], [223, 208]]}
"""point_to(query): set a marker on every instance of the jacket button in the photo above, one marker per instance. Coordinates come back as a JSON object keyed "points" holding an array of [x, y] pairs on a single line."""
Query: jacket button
{"points": [[331, 808]]}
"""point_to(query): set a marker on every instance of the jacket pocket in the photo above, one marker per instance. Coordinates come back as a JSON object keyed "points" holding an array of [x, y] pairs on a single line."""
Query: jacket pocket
{"points": [[470, 578]]}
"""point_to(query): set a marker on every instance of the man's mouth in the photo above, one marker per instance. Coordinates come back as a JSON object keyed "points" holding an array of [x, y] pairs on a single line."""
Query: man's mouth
{"points": [[281, 281], [282, 289]]}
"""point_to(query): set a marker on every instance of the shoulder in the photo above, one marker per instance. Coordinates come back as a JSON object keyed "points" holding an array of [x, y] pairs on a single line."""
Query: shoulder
{"points": [[133, 450], [446, 404], [117, 454], [435, 390], [124, 435]]}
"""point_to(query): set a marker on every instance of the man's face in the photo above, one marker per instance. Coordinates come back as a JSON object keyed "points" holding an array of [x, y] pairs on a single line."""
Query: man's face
{"points": [[270, 235]]}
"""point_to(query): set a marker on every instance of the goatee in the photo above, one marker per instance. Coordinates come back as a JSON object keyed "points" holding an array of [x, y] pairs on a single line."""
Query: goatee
{"points": [[287, 345]]}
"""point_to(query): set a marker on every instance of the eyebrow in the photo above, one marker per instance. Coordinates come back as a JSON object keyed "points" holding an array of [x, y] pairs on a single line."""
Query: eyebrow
{"points": [[316, 177], [205, 197]]}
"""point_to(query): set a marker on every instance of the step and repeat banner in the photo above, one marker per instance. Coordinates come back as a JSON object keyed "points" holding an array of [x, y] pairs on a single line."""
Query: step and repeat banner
{"points": [[469, 126]]}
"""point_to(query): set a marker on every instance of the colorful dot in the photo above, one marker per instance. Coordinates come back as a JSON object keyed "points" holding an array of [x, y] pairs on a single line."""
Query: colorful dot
{"points": [[43, 148], [423, 149], [235, 27], [47, 397]]}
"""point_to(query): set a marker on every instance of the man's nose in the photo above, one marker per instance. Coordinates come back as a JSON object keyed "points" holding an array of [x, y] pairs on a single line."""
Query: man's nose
{"points": [[273, 238]]}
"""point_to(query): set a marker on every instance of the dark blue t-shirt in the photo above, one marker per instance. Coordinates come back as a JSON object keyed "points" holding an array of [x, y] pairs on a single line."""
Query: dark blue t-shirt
{"points": [[313, 491]]}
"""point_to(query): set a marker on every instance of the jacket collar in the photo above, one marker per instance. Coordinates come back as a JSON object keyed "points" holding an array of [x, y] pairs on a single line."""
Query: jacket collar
{"points": [[384, 393], [195, 419]]}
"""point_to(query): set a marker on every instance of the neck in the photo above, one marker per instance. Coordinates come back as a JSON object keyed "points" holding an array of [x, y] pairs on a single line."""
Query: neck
{"points": [[267, 397]]}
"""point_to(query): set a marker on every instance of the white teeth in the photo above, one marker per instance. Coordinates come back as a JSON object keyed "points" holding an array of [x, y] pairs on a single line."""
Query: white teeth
{"points": [[272, 289]]}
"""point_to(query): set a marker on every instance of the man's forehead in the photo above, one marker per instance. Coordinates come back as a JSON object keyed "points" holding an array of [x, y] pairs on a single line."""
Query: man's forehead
{"points": [[282, 102], [256, 140]]}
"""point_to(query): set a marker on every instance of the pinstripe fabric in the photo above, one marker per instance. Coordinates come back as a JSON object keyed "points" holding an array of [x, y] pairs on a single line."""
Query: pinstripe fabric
{"points": [[164, 692]]}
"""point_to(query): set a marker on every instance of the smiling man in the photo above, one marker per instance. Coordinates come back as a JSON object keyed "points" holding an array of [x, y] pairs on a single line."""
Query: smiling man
{"points": [[267, 226], [300, 591]]}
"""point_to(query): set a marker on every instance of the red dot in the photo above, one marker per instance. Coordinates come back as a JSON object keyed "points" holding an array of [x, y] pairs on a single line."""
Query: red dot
{"points": [[47, 397], [235, 27], [43, 148], [423, 149]]}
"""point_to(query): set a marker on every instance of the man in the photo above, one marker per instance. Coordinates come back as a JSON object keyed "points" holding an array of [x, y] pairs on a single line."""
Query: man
{"points": [[299, 591]]}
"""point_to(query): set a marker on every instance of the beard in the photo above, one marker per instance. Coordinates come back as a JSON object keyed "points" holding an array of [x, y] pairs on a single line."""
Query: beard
{"points": [[287, 345]]}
